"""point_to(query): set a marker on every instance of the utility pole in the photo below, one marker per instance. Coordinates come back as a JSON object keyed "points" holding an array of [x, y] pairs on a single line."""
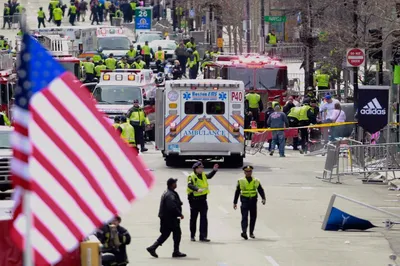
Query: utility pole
{"points": [[174, 16], [248, 26], [262, 28], [355, 69]]}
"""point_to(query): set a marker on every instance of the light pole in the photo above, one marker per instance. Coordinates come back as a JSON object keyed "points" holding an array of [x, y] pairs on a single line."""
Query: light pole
{"points": [[262, 33], [248, 26]]}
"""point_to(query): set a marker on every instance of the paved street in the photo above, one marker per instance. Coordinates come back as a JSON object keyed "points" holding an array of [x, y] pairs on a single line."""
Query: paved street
{"points": [[288, 227]]}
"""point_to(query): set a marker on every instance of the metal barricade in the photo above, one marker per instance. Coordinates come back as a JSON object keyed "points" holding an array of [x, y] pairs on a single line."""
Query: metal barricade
{"points": [[349, 157]]}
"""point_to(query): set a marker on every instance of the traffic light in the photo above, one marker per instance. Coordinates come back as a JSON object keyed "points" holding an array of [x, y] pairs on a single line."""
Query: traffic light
{"points": [[375, 43]]}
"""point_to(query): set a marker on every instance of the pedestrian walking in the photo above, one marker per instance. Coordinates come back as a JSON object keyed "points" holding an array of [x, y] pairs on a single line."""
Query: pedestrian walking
{"points": [[197, 195], [41, 17], [277, 120], [170, 214], [72, 14], [248, 188]]}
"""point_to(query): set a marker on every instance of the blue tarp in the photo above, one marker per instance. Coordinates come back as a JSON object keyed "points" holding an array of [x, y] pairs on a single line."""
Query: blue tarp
{"points": [[340, 220]]}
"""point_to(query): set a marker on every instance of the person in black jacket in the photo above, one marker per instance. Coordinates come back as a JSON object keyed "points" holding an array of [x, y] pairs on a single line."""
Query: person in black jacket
{"points": [[170, 214], [115, 238]]}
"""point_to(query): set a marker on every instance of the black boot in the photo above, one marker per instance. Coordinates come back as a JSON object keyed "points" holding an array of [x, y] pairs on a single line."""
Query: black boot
{"points": [[152, 249], [178, 254]]}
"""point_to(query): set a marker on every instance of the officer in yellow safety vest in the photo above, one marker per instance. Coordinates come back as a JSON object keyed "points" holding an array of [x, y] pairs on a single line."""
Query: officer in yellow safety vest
{"points": [[306, 117], [123, 63], [4, 121], [111, 62], [89, 69], [248, 188], [322, 81], [131, 54], [58, 15], [72, 14], [19, 9], [271, 38], [191, 43], [137, 64], [191, 64], [276, 102], [52, 5], [5, 46], [6, 16], [138, 120], [20, 33], [146, 53], [255, 104], [118, 14], [99, 67], [98, 57], [197, 56], [159, 55], [127, 132], [117, 122], [2, 42], [41, 17], [197, 191], [293, 117]]}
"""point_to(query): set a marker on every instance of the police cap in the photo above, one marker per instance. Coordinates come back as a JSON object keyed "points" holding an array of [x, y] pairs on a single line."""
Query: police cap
{"points": [[197, 164], [171, 181], [248, 168], [117, 119], [123, 119]]}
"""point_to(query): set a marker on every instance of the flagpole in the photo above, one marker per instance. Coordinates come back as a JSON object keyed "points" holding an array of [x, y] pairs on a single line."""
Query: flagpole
{"points": [[27, 204]]}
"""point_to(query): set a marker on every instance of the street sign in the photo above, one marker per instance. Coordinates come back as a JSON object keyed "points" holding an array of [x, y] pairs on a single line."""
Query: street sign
{"points": [[355, 57], [220, 42], [275, 19], [143, 18]]}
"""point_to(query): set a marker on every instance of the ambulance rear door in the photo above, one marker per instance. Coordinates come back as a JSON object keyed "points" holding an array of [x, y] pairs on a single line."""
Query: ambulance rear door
{"points": [[236, 114], [204, 113]]}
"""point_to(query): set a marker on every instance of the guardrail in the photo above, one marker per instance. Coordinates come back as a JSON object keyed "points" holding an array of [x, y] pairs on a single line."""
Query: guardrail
{"points": [[350, 157]]}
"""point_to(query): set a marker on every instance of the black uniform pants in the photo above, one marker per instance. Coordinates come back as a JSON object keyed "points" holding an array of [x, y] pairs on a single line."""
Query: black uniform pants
{"points": [[41, 22], [247, 207], [293, 122], [7, 19], [255, 113], [72, 19], [58, 22], [304, 135], [95, 18], [139, 136], [147, 60], [198, 206], [168, 226], [50, 15]]}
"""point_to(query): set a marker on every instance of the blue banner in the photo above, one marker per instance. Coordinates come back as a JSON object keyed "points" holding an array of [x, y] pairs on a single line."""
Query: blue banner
{"points": [[340, 220]]}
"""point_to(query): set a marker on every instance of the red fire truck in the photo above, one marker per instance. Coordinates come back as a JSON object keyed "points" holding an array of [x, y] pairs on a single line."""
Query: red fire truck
{"points": [[269, 77], [70, 63], [8, 80]]}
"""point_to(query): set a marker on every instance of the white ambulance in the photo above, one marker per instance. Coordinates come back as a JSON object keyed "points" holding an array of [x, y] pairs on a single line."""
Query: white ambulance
{"points": [[201, 119], [117, 90]]}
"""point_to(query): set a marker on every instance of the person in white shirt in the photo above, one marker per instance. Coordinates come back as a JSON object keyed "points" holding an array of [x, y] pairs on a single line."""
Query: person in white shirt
{"points": [[328, 107], [336, 116]]}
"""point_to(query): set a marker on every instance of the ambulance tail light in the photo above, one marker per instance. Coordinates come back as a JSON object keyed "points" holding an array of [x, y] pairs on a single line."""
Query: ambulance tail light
{"points": [[106, 77], [172, 127], [235, 127]]}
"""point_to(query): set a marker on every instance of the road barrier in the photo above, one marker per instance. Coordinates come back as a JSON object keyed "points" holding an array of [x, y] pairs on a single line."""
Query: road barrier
{"points": [[350, 157]]}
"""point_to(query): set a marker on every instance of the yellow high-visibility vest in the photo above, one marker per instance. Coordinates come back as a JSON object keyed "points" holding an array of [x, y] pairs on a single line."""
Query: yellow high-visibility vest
{"points": [[248, 189], [200, 183]]}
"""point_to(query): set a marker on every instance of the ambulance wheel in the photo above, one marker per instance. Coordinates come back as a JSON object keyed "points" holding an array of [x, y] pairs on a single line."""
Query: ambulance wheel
{"points": [[234, 161]]}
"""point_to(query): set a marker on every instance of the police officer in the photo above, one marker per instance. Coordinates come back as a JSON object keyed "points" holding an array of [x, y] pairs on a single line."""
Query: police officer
{"points": [[52, 5], [255, 103], [191, 44], [58, 15], [306, 117], [276, 102], [192, 63], [197, 195], [89, 69], [72, 14], [115, 238], [293, 117], [4, 121], [322, 80], [146, 52], [123, 63], [131, 54], [271, 38], [41, 17], [197, 56], [117, 122], [99, 56], [127, 132], [159, 55], [137, 64], [170, 214], [111, 62], [310, 95], [248, 187], [98, 68], [138, 120], [6, 16]]}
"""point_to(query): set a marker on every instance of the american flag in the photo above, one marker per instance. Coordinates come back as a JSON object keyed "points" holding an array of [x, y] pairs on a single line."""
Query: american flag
{"points": [[80, 174]]}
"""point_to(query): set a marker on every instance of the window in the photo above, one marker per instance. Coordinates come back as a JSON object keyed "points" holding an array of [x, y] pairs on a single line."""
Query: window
{"points": [[194, 108], [117, 94], [5, 140], [114, 43], [215, 108]]}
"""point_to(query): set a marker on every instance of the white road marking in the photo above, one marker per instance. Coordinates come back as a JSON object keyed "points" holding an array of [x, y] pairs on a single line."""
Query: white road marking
{"points": [[222, 209], [271, 261]]}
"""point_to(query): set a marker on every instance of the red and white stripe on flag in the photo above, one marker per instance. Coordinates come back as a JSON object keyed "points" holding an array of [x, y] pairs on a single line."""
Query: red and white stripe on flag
{"points": [[80, 173]]}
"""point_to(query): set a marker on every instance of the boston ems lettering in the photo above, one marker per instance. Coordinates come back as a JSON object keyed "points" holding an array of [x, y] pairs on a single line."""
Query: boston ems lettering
{"points": [[204, 133]]}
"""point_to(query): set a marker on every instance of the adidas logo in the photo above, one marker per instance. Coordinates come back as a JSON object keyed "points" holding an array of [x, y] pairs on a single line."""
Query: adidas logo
{"points": [[373, 108]]}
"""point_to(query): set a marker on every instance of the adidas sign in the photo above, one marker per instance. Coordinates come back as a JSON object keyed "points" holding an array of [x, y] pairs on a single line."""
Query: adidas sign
{"points": [[373, 108]]}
